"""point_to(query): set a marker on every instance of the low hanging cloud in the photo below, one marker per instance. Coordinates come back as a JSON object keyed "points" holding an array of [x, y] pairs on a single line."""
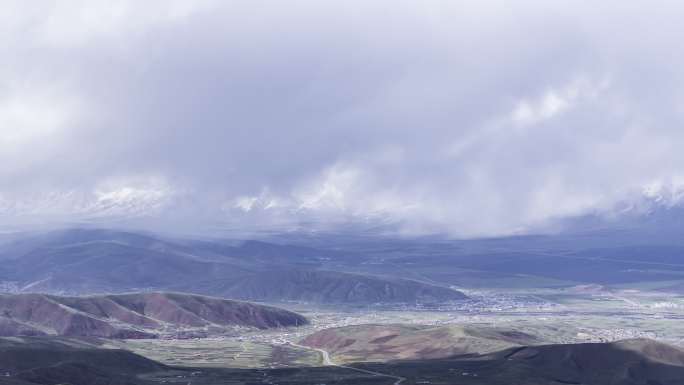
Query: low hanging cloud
{"points": [[459, 117]]}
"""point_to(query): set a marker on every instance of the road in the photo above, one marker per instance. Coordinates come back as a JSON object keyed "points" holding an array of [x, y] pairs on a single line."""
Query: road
{"points": [[243, 346], [327, 361]]}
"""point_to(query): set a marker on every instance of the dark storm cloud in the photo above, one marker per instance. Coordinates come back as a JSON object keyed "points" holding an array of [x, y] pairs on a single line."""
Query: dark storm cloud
{"points": [[466, 117]]}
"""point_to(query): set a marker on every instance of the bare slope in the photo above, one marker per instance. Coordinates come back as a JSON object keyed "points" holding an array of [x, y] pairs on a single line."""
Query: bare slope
{"points": [[412, 342], [143, 315], [630, 362]]}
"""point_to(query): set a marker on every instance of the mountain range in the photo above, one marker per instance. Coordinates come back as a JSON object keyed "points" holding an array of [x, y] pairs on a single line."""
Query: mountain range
{"points": [[85, 261]]}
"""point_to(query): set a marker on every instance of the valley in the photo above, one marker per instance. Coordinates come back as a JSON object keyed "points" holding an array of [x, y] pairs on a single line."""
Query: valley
{"points": [[364, 313], [573, 318]]}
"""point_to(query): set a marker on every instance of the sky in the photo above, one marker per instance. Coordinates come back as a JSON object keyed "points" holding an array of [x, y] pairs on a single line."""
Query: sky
{"points": [[466, 118]]}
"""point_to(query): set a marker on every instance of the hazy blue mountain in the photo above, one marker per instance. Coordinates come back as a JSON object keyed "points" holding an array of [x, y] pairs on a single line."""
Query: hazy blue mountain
{"points": [[321, 286], [329, 267], [99, 261]]}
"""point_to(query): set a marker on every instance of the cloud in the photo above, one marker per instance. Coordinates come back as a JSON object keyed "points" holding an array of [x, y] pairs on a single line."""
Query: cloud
{"points": [[554, 102], [467, 118]]}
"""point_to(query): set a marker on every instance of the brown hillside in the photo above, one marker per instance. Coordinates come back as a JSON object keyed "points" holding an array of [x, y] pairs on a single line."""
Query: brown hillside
{"points": [[143, 315]]}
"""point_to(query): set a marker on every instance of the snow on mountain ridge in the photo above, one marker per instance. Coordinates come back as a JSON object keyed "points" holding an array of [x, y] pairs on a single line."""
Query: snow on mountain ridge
{"points": [[125, 202]]}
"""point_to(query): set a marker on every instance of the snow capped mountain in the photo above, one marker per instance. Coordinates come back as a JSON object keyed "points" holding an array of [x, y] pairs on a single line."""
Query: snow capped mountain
{"points": [[125, 202], [128, 201], [664, 194], [656, 211], [151, 202]]}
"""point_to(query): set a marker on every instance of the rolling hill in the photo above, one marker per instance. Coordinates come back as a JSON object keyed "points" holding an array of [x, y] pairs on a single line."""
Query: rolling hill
{"points": [[629, 362], [412, 342], [623, 362], [145, 315], [58, 360], [51, 361]]}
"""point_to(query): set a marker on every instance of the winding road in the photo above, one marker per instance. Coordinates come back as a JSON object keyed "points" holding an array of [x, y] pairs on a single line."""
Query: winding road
{"points": [[327, 361]]}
